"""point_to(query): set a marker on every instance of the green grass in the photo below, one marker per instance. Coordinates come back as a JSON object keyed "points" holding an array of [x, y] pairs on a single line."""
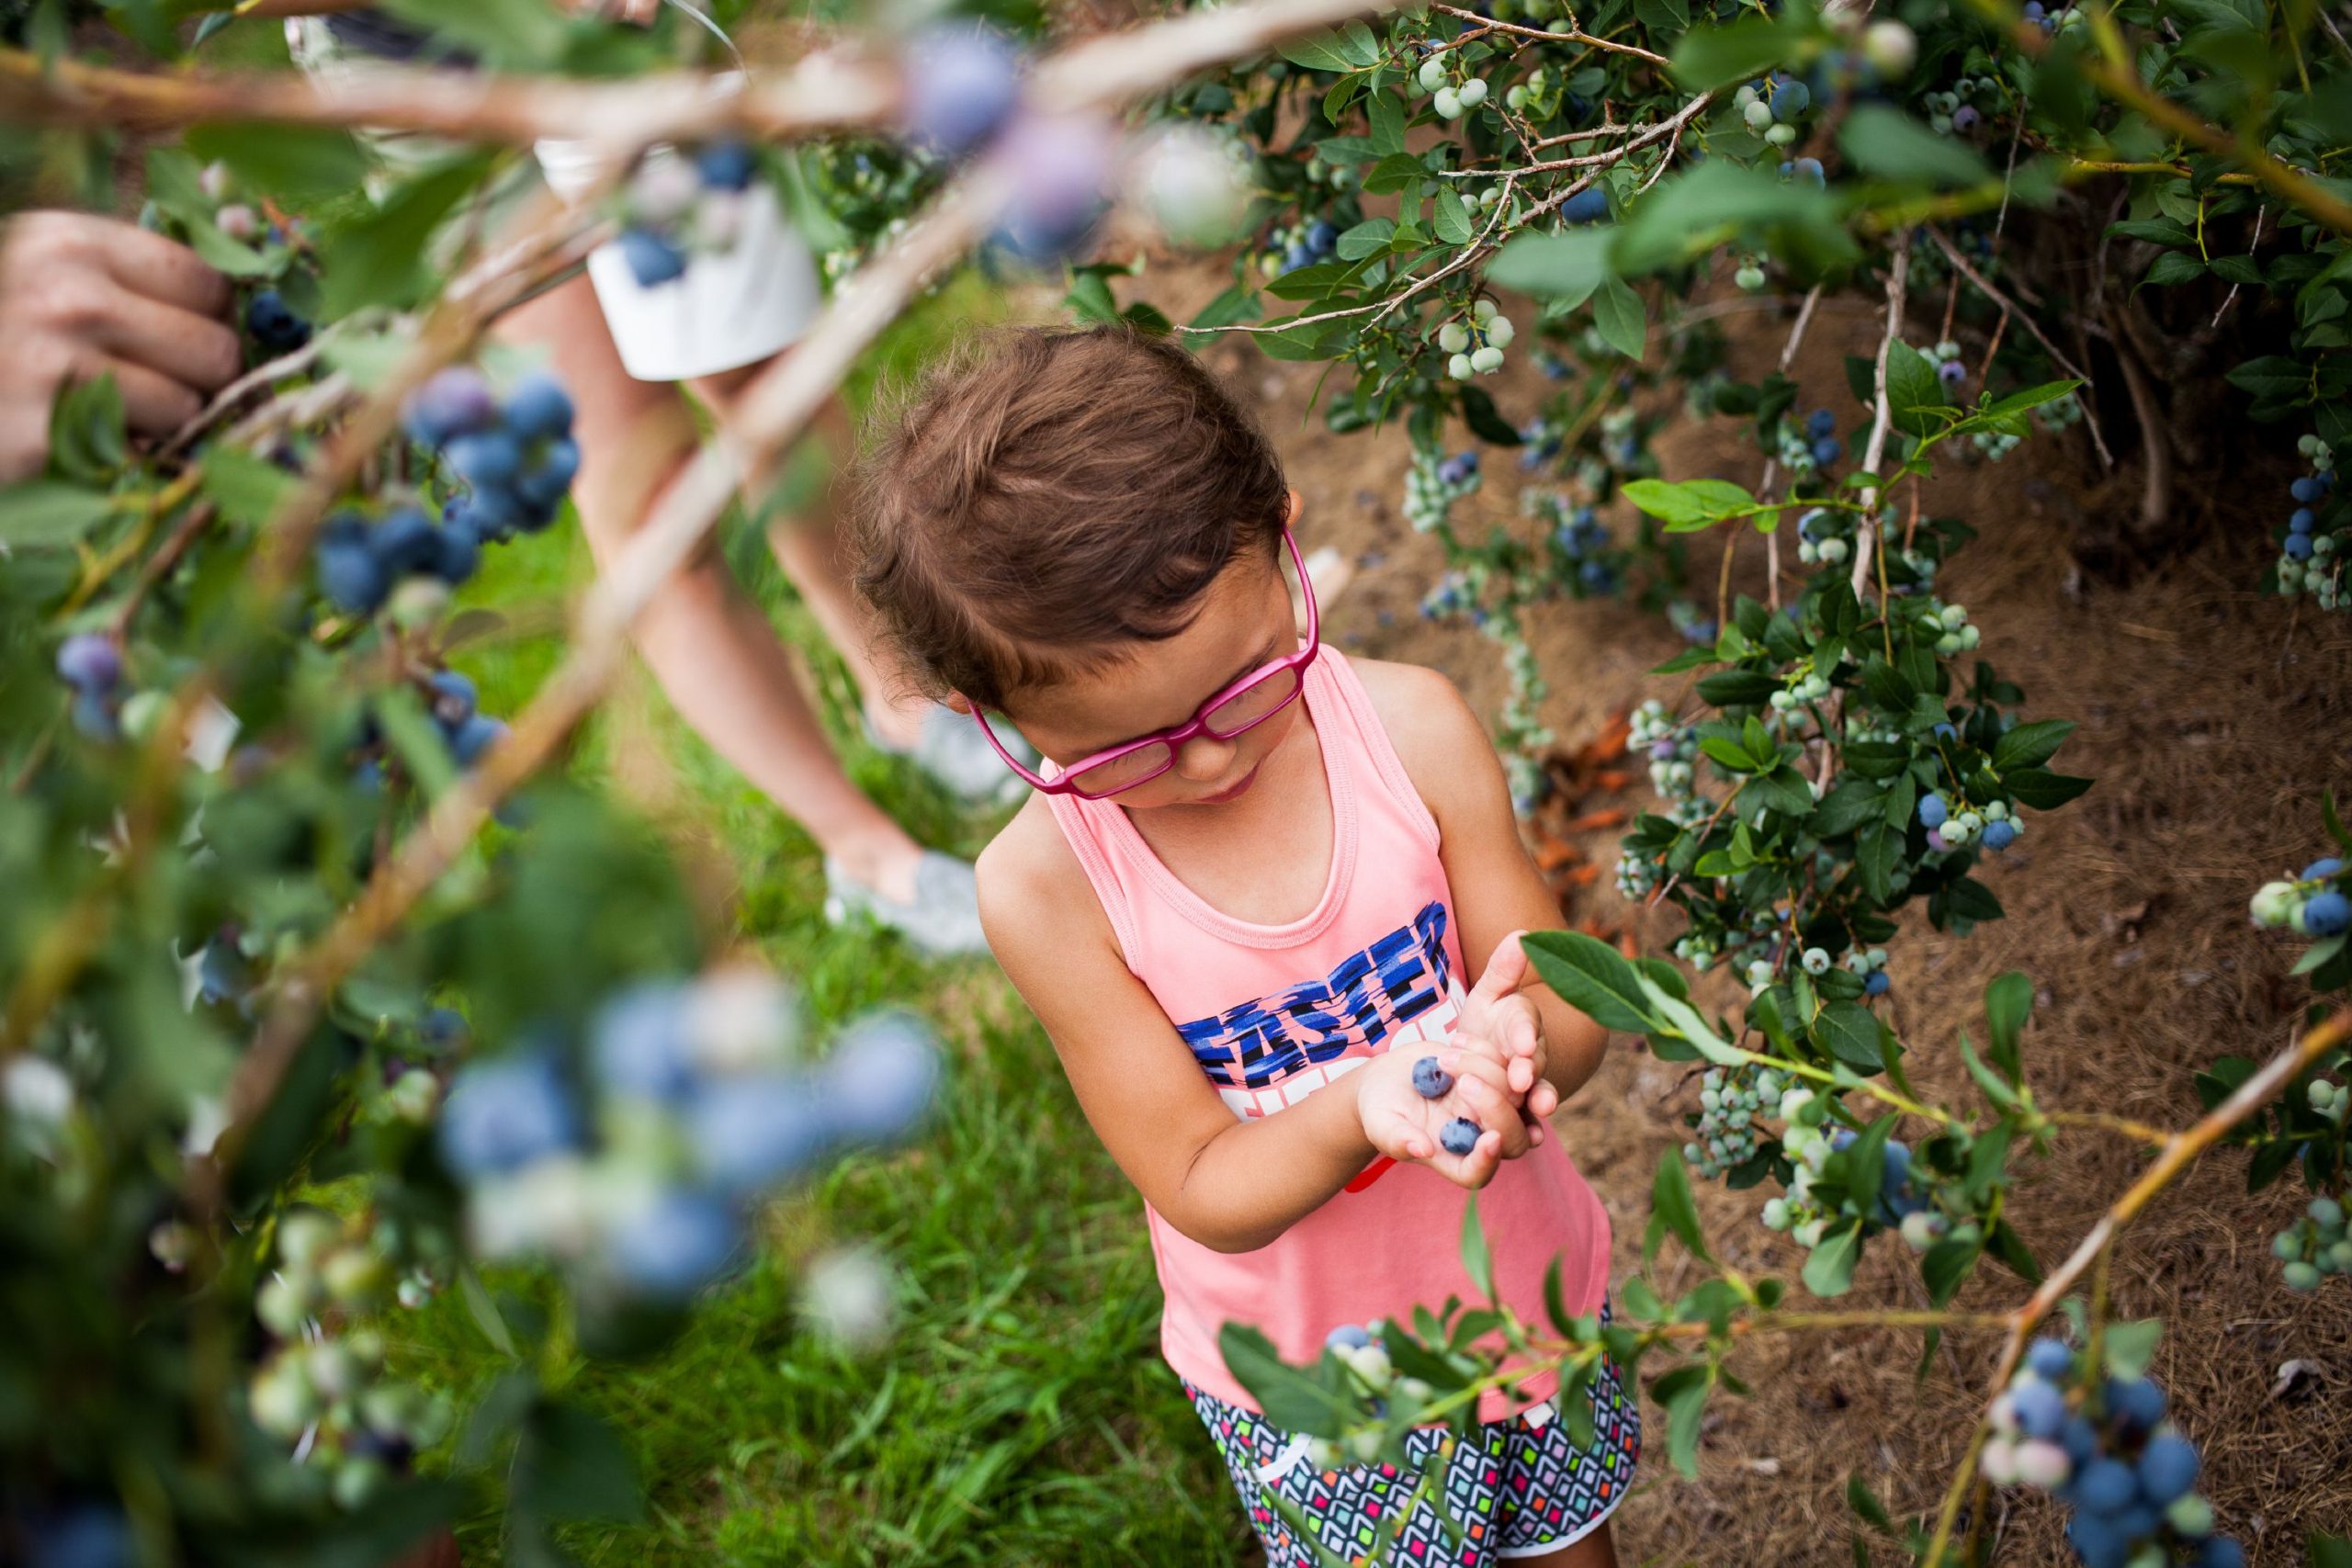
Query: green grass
{"points": [[1021, 1413]]}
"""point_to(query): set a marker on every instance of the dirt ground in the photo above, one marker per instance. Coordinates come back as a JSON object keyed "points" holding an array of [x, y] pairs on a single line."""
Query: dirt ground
{"points": [[2211, 719]]}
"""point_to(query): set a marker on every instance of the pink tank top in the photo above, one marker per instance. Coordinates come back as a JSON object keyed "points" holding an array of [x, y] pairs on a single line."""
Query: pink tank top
{"points": [[1272, 1013]]}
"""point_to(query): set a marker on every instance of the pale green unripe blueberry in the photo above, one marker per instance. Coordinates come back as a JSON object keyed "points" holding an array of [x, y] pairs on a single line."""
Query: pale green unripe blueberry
{"points": [[1432, 75], [1741, 99], [304, 1233], [1370, 1362], [1473, 93], [1365, 1445], [1447, 103], [1750, 279], [1891, 48], [1953, 616], [1776, 1215], [1486, 359], [415, 1096], [2042, 1464], [1517, 96], [1781, 135], [1323, 1453], [281, 1403], [355, 1275], [2301, 1276], [1948, 644], [1458, 367], [1832, 550], [1453, 338], [1793, 1103], [1484, 309], [2325, 1212], [1970, 636], [1809, 1233], [2192, 1516], [1922, 1229], [358, 1480], [334, 1369], [1815, 961], [1998, 1459], [281, 1306], [1758, 114], [2274, 903], [2286, 1245], [1499, 331]]}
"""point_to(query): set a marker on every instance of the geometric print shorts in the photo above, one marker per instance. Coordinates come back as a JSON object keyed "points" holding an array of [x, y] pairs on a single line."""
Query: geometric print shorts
{"points": [[1516, 1487]]}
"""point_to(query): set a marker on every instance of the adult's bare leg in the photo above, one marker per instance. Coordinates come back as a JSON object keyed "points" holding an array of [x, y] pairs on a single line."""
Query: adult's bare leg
{"points": [[712, 649]]}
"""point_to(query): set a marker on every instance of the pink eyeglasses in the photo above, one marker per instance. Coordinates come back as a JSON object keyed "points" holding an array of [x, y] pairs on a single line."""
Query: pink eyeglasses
{"points": [[1247, 704]]}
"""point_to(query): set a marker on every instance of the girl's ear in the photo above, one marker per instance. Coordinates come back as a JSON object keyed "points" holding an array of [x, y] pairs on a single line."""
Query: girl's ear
{"points": [[1296, 506], [959, 703]]}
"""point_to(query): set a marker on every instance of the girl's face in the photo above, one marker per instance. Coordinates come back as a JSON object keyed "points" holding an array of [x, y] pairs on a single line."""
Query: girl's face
{"points": [[1245, 623]]}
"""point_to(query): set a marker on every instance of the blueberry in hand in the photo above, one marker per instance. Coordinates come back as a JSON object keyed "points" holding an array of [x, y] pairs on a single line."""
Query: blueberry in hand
{"points": [[1430, 1080], [1459, 1137]]}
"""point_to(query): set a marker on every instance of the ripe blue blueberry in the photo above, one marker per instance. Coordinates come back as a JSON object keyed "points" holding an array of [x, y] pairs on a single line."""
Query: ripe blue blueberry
{"points": [[350, 575], [453, 402], [2106, 1486], [2327, 866], [442, 1026], [2050, 1360], [1878, 985], [454, 699], [1348, 1337], [1964, 118], [2298, 547], [637, 1043], [1458, 468], [538, 409], [1933, 811], [1809, 170], [1588, 206], [2167, 1468], [88, 1536], [1820, 422], [2098, 1541], [456, 551], [1789, 99], [2040, 1409], [486, 458], [755, 1132], [2136, 1402], [477, 735], [2000, 835], [2327, 914], [961, 83], [1430, 1080], [1297, 256], [2306, 490], [1827, 450], [726, 165], [274, 324], [1951, 373], [1947, 731], [2302, 520], [1065, 168], [1321, 236], [1459, 1137], [2220, 1552], [676, 1245], [652, 260], [2080, 1439], [881, 1076], [89, 663], [403, 542], [507, 1111]]}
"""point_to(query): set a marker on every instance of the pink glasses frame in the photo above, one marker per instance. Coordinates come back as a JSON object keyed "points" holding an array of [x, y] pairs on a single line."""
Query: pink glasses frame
{"points": [[1175, 737]]}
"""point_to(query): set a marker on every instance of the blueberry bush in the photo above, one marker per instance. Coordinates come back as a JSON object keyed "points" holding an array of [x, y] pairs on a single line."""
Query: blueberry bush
{"points": [[310, 1015]]}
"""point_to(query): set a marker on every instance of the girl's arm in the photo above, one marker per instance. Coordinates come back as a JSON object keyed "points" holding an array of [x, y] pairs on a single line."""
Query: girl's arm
{"points": [[1497, 888], [1229, 1184]]}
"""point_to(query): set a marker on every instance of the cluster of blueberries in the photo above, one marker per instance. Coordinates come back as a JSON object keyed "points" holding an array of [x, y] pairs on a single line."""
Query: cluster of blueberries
{"points": [[2316, 1246], [1475, 348], [1357, 1347], [272, 324], [518, 460], [363, 1426], [637, 1160], [2108, 1451], [1772, 107], [2313, 903], [675, 204], [1815, 542], [1453, 92], [2307, 552], [1433, 484], [90, 664], [1301, 245], [1994, 823], [1454, 594], [1582, 543], [1695, 624], [1430, 1081], [1903, 1202], [1724, 1135], [1951, 112], [1814, 445]]}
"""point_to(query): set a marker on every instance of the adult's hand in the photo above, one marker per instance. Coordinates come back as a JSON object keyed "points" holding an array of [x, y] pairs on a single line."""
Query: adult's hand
{"points": [[82, 297]]}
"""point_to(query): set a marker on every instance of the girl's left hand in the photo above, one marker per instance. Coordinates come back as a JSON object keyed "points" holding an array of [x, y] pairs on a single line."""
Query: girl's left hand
{"points": [[1498, 1019]]}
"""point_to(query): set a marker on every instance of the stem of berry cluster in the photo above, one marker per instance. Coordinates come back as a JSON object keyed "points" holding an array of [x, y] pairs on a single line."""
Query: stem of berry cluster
{"points": [[2180, 1151], [1898, 277]]}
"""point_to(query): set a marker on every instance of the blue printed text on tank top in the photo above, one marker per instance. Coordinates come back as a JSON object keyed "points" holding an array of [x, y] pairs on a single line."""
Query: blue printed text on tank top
{"points": [[1275, 1050]]}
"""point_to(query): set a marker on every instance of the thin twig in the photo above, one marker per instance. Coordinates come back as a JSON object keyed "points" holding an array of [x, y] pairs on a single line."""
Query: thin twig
{"points": [[2057, 355], [1882, 412], [1537, 34]]}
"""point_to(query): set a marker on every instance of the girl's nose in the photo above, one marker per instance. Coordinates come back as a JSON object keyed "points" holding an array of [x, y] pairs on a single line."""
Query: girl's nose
{"points": [[1203, 758]]}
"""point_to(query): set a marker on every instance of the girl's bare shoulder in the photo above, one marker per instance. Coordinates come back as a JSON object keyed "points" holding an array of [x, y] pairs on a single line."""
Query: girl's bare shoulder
{"points": [[1031, 881], [1427, 719]]}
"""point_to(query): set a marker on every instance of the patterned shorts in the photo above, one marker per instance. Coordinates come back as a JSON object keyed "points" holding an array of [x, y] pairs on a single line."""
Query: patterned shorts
{"points": [[1517, 1488]]}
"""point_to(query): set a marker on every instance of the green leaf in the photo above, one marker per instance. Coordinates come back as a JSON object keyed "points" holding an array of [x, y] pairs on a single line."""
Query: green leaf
{"points": [[1883, 141], [380, 259], [571, 1465], [1783, 790], [1291, 1399], [2009, 1000], [1476, 1261], [2155, 230], [1690, 504], [1694, 210], [1912, 390], [222, 254], [1451, 221], [1996, 1088], [1318, 51], [1565, 266], [2173, 266], [1717, 57], [1727, 752], [1594, 979], [2029, 745], [2043, 790], [1830, 1270], [1683, 1392], [1368, 237], [1386, 114], [298, 164], [248, 489], [44, 514], [1684, 1023], [1621, 317], [1848, 1031], [2128, 1347], [1479, 413], [1672, 1206], [2031, 397], [2319, 953]]}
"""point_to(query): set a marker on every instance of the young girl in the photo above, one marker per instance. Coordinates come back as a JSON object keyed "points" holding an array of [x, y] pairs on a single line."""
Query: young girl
{"points": [[1241, 902]]}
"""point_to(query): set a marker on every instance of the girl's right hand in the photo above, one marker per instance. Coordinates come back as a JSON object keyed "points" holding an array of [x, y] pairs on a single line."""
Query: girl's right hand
{"points": [[1403, 1125]]}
